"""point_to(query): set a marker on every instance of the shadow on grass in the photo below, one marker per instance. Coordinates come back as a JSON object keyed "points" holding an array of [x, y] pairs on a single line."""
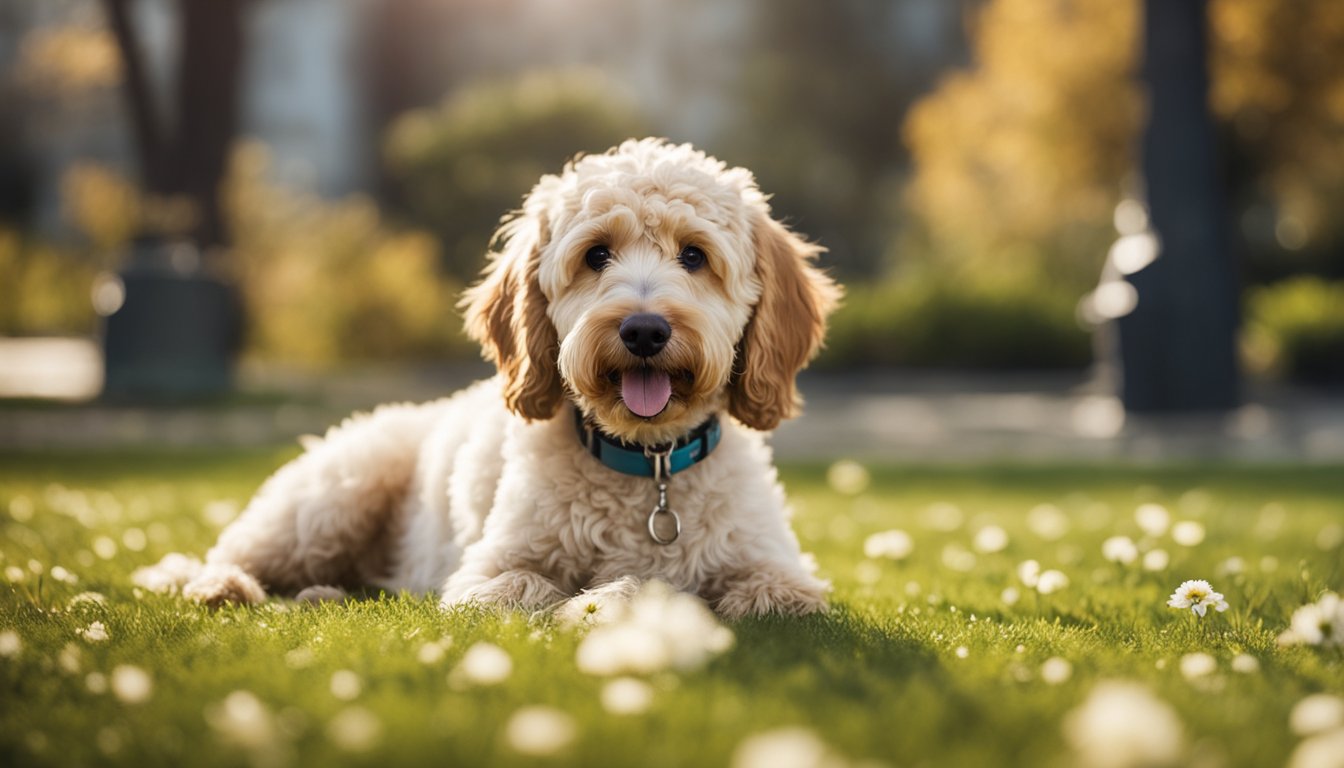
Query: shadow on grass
{"points": [[850, 652]]}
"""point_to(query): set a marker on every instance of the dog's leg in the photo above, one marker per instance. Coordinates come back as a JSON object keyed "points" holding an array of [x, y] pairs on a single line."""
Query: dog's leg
{"points": [[769, 588], [511, 588], [318, 520]]}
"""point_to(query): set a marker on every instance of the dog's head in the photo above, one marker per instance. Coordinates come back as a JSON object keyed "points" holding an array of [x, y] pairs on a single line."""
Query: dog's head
{"points": [[650, 286]]}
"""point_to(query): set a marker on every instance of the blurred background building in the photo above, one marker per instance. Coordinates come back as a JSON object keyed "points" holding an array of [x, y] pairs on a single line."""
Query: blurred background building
{"points": [[975, 167]]}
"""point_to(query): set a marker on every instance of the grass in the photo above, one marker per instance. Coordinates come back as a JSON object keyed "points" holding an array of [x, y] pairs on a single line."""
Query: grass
{"points": [[920, 662]]}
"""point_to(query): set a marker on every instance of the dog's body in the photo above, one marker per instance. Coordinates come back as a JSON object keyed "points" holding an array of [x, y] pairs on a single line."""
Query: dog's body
{"points": [[597, 304]]}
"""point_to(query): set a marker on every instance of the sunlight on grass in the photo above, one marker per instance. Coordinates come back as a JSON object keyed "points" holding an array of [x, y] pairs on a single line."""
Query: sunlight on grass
{"points": [[981, 616]]}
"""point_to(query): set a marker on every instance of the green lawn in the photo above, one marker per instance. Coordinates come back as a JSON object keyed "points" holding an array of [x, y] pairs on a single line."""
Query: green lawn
{"points": [[922, 661]]}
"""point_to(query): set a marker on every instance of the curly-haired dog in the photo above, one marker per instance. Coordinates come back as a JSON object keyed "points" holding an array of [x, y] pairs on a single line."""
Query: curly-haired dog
{"points": [[647, 317]]}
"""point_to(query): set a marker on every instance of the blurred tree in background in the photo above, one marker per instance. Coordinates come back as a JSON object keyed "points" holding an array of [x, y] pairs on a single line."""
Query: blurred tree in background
{"points": [[1019, 162], [818, 97], [1279, 88], [329, 281], [323, 281], [460, 167]]}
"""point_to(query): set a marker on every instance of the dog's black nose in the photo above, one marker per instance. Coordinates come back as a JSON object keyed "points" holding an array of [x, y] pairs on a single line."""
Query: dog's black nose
{"points": [[645, 334]]}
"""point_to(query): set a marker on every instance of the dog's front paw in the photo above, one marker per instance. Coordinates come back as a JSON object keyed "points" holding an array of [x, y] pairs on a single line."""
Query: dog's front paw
{"points": [[599, 604], [169, 575], [765, 592], [220, 583], [512, 589]]}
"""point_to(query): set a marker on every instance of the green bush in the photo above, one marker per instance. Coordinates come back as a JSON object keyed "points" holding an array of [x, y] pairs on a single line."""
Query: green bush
{"points": [[1296, 328], [322, 281], [460, 167], [329, 281], [934, 319], [43, 290]]}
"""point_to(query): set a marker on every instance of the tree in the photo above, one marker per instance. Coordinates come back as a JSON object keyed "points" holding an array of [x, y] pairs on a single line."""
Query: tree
{"points": [[185, 155], [1178, 345], [179, 327]]}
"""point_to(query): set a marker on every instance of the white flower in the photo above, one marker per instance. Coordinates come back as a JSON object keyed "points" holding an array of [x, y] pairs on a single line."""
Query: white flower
{"points": [[627, 696], [1195, 665], [94, 633], [355, 729], [1048, 522], [483, 664], [1056, 670], [795, 747], [1156, 560], [990, 539], [1245, 663], [893, 545], [1153, 519], [345, 685], [10, 644], [540, 730], [68, 659], [1123, 725], [1051, 581], [242, 719], [847, 477], [1029, 571], [1187, 533], [86, 600], [1323, 751], [1010, 596], [657, 629], [1120, 549], [132, 685], [432, 652], [1317, 713], [1198, 596], [1318, 623], [104, 547]]}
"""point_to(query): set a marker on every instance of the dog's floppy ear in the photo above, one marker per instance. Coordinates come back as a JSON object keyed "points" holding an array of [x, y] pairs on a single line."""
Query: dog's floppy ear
{"points": [[506, 313], [786, 329]]}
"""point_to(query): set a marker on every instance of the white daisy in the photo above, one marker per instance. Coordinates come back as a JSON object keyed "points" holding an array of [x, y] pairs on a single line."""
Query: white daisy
{"points": [[540, 730], [1120, 549], [1198, 596], [1318, 623], [94, 633]]}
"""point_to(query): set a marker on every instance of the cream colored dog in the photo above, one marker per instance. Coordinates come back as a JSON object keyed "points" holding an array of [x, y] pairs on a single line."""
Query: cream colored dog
{"points": [[647, 317]]}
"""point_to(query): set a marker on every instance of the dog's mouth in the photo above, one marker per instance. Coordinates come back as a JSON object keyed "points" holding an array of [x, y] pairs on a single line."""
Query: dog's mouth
{"points": [[646, 391]]}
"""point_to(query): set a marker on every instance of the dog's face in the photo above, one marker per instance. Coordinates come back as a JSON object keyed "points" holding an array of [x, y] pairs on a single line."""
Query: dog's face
{"points": [[650, 286]]}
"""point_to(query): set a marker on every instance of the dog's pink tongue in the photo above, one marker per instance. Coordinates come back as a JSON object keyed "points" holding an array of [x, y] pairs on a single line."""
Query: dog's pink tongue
{"points": [[645, 391]]}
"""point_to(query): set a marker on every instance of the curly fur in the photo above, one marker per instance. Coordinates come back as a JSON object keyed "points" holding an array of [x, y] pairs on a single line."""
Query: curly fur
{"points": [[488, 496]]}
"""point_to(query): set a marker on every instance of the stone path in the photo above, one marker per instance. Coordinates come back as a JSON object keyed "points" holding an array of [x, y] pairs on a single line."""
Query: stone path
{"points": [[891, 416]]}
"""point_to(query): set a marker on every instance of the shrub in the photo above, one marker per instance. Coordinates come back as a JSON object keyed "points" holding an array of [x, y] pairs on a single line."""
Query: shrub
{"points": [[1296, 328], [326, 281], [43, 290], [461, 166], [321, 281], [932, 319]]}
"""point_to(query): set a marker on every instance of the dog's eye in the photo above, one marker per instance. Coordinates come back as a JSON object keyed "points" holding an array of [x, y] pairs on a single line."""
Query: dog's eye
{"points": [[691, 258], [597, 257]]}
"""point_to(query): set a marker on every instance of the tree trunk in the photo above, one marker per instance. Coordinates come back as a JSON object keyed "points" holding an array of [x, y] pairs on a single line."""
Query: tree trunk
{"points": [[177, 331], [211, 48], [1178, 347]]}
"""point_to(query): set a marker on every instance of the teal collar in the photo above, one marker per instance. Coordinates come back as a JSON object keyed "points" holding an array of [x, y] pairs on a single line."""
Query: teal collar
{"points": [[638, 460]]}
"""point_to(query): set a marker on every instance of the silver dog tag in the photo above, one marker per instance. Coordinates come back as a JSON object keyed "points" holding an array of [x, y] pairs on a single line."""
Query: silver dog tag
{"points": [[664, 524]]}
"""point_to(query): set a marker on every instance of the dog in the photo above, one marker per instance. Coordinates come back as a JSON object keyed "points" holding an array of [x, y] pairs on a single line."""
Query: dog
{"points": [[648, 318]]}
